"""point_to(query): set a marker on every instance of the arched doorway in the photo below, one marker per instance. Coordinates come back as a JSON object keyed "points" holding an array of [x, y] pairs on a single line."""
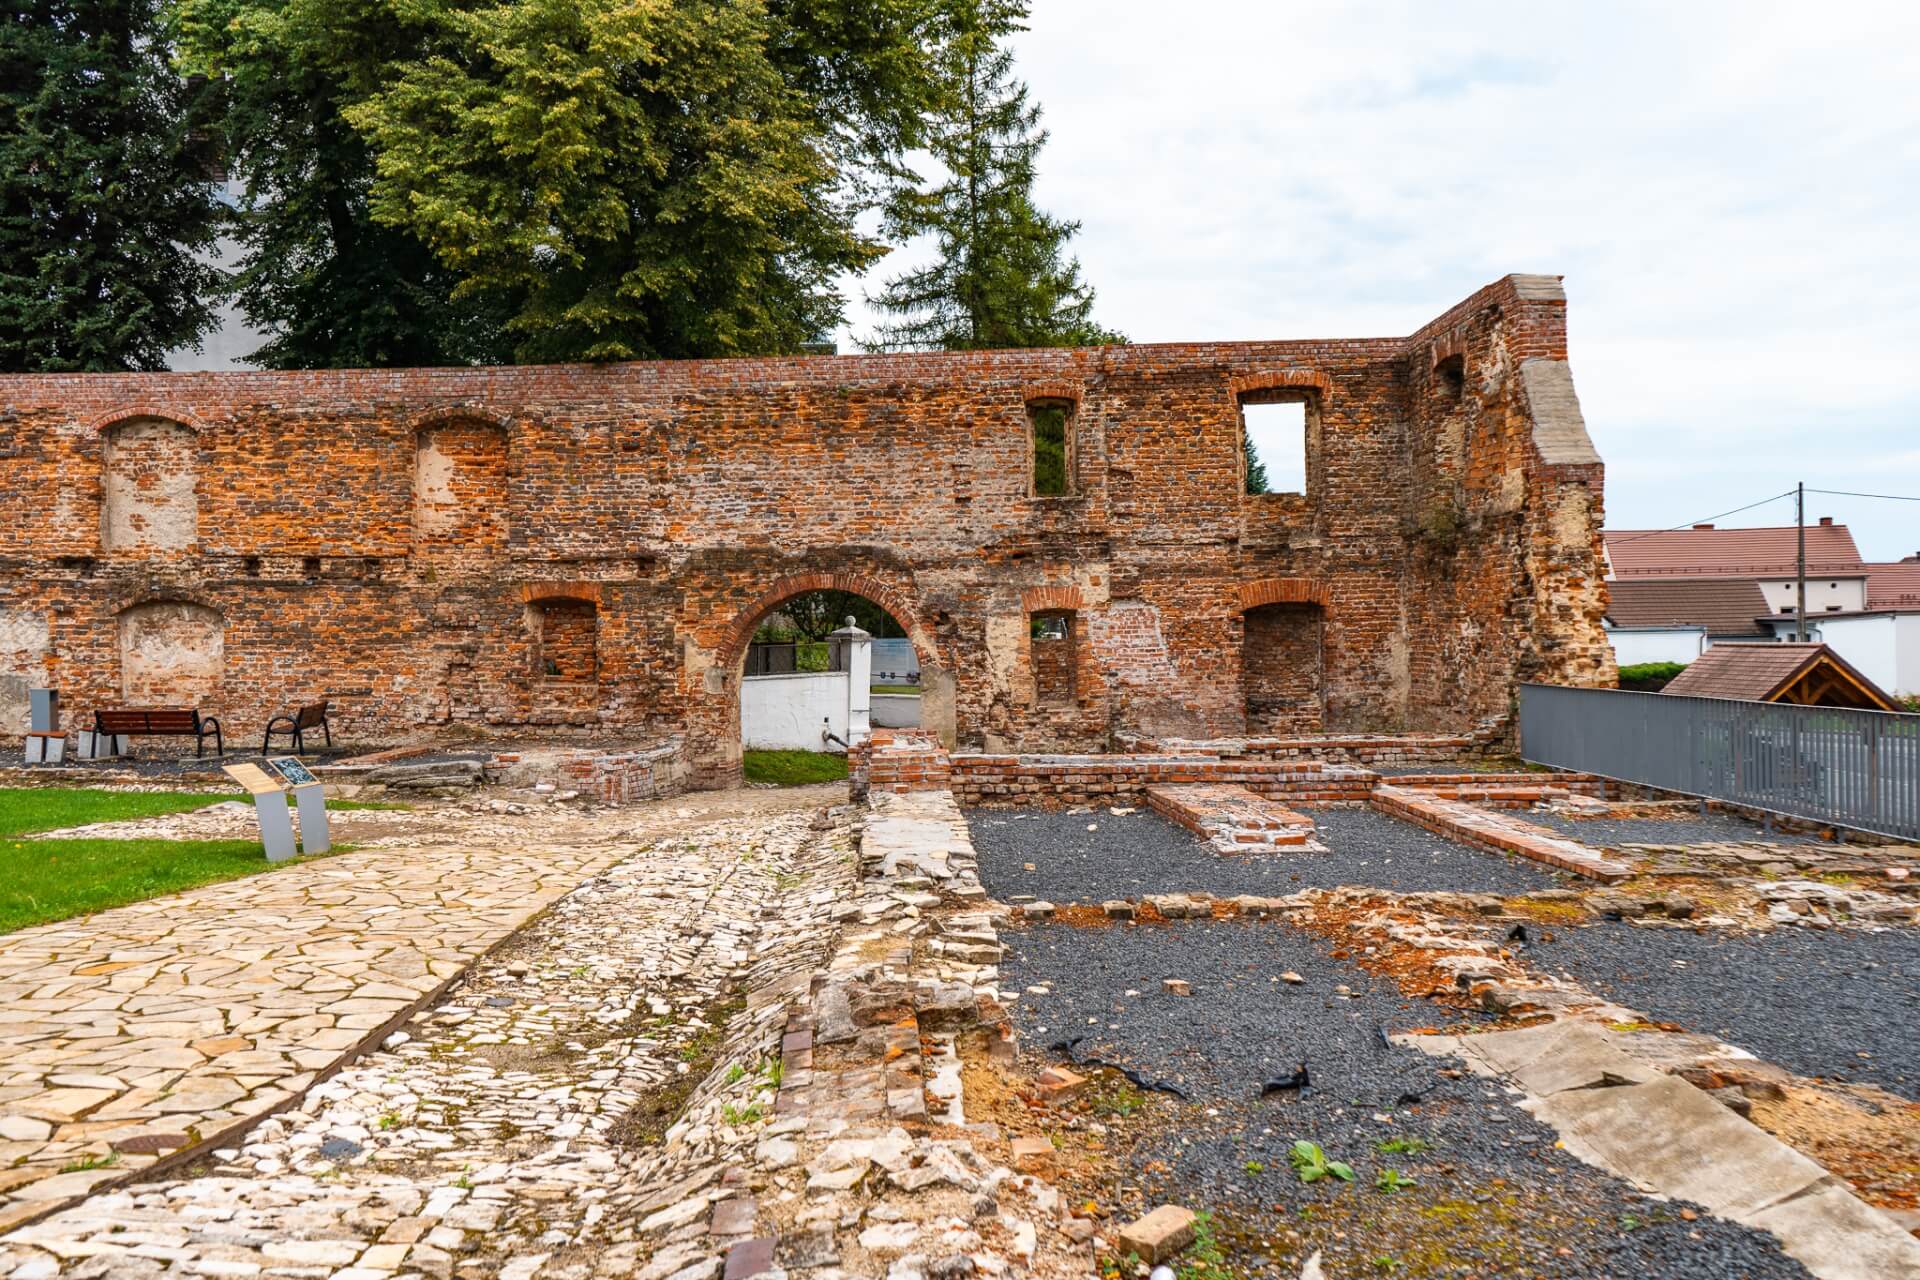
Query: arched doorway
{"points": [[721, 685]]}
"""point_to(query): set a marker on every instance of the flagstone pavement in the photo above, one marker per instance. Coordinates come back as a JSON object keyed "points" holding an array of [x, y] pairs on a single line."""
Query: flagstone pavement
{"points": [[178, 1022]]}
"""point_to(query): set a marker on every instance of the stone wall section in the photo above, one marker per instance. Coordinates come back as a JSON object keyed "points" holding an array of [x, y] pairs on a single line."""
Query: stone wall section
{"points": [[374, 537]]}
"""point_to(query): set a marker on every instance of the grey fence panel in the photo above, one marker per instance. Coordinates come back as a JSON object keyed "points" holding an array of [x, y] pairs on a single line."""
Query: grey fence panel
{"points": [[1854, 768]]}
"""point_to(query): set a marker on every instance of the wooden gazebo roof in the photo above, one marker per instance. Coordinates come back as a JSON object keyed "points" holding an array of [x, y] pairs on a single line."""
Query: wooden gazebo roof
{"points": [[1807, 674]]}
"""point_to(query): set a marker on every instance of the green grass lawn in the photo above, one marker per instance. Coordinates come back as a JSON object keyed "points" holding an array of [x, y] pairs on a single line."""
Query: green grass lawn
{"points": [[46, 880], [897, 688], [794, 768], [24, 809]]}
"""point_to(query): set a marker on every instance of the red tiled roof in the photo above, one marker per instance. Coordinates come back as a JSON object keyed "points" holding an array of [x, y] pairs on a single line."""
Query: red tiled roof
{"points": [[1754, 672], [1894, 586], [1730, 553], [1724, 606]]}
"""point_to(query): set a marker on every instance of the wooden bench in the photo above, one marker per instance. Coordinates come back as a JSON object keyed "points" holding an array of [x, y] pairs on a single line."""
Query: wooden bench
{"points": [[311, 716], [160, 722]]}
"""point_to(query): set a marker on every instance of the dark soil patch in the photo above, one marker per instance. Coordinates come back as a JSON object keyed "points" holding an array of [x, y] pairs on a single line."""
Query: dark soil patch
{"points": [[1485, 1191]]}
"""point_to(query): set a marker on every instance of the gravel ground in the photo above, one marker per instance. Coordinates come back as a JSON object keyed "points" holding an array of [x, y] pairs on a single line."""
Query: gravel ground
{"points": [[1493, 1195], [1810, 1000], [1141, 853], [1612, 832]]}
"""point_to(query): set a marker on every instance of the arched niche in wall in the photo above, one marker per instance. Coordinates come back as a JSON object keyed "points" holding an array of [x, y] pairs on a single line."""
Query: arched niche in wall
{"points": [[150, 499], [460, 487], [172, 654]]}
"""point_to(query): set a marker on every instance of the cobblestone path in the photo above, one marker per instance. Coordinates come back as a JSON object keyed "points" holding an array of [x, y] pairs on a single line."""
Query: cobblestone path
{"points": [[169, 1024]]}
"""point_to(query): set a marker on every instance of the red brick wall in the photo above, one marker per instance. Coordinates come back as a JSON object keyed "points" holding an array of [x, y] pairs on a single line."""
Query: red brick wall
{"points": [[1281, 658], [375, 536]]}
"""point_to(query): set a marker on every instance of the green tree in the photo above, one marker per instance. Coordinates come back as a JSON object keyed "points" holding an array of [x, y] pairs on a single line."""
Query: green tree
{"points": [[334, 288], [1256, 469], [818, 614], [106, 200], [657, 179], [1001, 277]]}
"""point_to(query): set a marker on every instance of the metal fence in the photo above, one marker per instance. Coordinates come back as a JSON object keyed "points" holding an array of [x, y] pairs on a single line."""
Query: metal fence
{"points": [[1857, 769]]}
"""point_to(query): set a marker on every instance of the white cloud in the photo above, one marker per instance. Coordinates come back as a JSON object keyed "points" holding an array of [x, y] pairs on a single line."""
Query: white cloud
{"points": [[1729, 189]]}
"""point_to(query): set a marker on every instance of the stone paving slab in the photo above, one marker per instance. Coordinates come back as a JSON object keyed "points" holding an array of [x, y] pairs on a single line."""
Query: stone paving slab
{"points": [[139, 1033]]}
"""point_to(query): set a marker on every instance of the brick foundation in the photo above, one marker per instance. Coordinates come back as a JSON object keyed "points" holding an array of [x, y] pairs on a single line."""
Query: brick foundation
{"points": [[1061, 781], [1233, 819], [897, 761], [1460, 821]]}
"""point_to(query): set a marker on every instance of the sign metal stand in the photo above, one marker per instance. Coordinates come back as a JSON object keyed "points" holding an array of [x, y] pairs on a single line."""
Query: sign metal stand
{"points": [[311, 797], [269, 805]]}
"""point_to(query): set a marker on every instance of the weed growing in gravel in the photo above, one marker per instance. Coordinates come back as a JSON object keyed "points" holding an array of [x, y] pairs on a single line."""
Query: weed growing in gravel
{"points": [[1116, 1097], [1386, 1262], [1402, 1146], [1312, 1164], [1391, 1180], [1255, 1167], [389, 1121], [736, 1073], [1205, 1260]]}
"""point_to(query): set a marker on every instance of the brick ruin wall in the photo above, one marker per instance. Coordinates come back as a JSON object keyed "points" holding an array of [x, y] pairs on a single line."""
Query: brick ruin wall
{"points": [[584, 552]]}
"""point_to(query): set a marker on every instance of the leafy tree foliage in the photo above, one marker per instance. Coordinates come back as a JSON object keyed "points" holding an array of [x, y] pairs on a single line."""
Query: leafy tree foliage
{"points": [[1001, 277], [649, 179], [105, 194], [335, 288], [818, 614], [452, 181]]}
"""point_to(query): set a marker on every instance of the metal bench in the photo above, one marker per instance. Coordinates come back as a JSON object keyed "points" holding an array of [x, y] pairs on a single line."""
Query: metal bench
{"points": [[295, 726], [160, 722]]}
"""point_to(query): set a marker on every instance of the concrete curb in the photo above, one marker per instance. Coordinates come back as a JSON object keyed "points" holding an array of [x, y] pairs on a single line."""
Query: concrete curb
{"points": [[1665, 1136]]}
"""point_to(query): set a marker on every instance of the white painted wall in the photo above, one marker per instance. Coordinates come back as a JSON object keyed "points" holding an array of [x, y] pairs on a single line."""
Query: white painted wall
{"points": [[1906, 649], [896, 710], [1634, 645], [1884, 646], [1822, 594], [787, 713]]}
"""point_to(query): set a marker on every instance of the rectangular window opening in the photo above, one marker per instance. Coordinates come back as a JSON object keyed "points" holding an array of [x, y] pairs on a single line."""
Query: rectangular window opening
{"points": [[1052, 456], [1275, 441], [1051, 639]]}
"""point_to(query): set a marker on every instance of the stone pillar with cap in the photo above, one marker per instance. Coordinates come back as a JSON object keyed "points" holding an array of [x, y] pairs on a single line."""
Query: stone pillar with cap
{"points": [[854, 649]]}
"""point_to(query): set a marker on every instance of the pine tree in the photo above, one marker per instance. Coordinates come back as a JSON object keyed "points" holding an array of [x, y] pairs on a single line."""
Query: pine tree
{"points": [[1002, 277], [1256, 469], [332, 287], [106, 198]]}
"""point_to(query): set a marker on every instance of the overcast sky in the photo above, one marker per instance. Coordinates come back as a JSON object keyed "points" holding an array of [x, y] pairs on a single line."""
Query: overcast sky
{"points": [[1729, 190]]}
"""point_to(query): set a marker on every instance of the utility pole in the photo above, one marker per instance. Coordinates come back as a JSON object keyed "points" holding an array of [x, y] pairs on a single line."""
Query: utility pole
{"points": [[1800, 586]]}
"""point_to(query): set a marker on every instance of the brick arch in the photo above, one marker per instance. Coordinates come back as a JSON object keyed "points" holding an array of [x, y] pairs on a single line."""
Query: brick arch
{"points": [[1046, 599], [585, 592], [478, 414], [1050, 390], [105, 422], [1280, 379], [1283, 591], [734, 650]]}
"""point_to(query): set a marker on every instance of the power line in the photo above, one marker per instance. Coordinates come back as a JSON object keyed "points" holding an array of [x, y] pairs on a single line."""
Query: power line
{"points": [[1706, 519], [1847, 493]]}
